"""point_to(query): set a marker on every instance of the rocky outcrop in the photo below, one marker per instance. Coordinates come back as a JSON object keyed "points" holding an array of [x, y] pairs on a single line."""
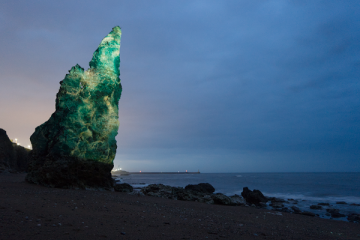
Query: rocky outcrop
{"points": [[192, 194], [253, 197], [335, 213], [76, 147], [13, 158], [201, 187]]}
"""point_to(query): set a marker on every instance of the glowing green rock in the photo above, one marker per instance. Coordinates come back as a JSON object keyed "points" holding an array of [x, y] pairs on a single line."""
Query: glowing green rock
{"points": [[76, 146]]}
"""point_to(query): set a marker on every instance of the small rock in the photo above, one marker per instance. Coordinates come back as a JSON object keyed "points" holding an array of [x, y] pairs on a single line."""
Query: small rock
{"points": [[276, 204], [253, 197], [262, 205], [335, 213], [284, 209], [122, 233], [355, 204], [315, 207], [308, 214], [354, 217], [222, 199], [341, 202], [237, 200], [324, 204], [295, 209]]}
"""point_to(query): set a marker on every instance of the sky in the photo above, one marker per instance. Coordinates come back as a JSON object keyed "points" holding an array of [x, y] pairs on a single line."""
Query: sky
{"points": [[215, 86]]}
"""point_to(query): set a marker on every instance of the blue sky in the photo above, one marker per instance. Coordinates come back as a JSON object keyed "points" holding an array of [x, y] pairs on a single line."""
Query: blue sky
{"points": [[219, 86]]}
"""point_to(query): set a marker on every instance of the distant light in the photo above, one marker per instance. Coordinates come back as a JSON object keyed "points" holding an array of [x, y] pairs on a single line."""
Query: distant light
{"points": [[120, 168], [29, 147], [15, 140], [18, 143], [140, 170], [186, 170]]}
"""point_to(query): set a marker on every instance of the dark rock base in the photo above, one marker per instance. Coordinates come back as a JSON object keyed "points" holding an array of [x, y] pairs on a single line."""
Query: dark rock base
{"points": [[70, 172]]}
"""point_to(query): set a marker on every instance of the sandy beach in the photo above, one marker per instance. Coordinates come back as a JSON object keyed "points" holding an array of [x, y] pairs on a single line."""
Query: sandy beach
{"points": [[29, 211]]}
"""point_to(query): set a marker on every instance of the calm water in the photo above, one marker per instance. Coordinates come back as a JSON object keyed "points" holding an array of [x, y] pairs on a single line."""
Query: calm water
{"points": [[310, 188]]}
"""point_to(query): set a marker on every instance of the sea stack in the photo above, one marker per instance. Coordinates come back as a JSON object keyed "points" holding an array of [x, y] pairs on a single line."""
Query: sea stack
{"points": [[76, 147]]}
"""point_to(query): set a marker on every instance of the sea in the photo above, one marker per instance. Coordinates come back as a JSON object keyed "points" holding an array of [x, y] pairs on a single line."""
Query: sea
{"points": [[307, 188]]}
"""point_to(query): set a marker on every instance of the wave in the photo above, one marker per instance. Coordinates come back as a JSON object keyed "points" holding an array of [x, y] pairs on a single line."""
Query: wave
{"points": [[330, 199]]}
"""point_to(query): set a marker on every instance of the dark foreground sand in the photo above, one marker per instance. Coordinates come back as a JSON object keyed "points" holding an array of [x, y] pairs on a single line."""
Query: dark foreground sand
{"points": [[29, 211]]}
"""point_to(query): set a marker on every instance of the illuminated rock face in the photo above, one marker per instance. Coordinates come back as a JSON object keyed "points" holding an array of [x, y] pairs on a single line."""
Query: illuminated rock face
{"points": [[76, 147]]}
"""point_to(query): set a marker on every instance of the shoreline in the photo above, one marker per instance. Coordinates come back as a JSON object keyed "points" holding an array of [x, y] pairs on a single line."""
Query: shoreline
{"points": [[29, 211], [334, 210]]}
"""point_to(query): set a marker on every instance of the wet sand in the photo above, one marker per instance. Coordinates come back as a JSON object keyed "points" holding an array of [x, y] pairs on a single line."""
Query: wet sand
{"points": [[29, 211]]}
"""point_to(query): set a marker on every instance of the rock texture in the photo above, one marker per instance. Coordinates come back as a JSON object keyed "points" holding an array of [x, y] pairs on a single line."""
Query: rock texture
{"points": [[13, 158], [76, 147], [202, 192], [201, 187], [123, 187], [253, 197]]}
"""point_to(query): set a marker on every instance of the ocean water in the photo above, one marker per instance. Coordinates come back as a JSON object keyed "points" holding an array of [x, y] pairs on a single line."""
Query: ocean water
{"points": [[307, 188]]}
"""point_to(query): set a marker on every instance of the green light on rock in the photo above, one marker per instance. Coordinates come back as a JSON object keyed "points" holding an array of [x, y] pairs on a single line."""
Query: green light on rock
{"points": [[76, 146]]}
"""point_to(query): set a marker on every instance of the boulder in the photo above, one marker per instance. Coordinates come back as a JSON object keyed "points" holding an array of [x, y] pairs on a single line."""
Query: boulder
{"points": [[355, 204], [296, 209], [354, 217], [237, 200], [315, 207], [253, 197], [76, 147], [123, 187], [306, 213], [221, 199], [201, 187], [13, 158], [262, 205], [335, 213], [277, 204], [164, 191]]}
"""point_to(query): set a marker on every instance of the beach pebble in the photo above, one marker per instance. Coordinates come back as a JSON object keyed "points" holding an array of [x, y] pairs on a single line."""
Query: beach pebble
{"points": [[122, 233]]}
